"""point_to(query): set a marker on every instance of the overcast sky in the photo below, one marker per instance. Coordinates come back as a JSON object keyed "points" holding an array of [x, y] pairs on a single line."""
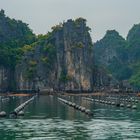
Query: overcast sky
{"points": [[101, 15]]}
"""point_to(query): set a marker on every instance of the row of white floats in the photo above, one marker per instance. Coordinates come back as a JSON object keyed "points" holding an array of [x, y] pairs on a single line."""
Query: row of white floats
{"points": [[75, 106], [17, 111], [118, 104]]}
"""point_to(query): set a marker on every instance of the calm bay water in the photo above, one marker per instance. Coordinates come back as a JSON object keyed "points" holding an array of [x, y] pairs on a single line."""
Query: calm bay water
{"points": [[48, 119]]}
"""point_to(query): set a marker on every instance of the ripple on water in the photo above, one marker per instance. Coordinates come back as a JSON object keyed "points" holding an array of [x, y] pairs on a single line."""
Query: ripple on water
{"points": [[65, 129], [108, 123]]}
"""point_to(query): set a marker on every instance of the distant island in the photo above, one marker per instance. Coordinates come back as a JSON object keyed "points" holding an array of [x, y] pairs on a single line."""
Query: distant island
{"points": [[65, 59]]}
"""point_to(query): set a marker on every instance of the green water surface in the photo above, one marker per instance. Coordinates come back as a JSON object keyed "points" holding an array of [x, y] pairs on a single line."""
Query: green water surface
{"points": [[46, 118]]}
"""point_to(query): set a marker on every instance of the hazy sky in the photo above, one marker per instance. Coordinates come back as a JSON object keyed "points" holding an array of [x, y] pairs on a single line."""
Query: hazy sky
{"points": [[101, 15]]}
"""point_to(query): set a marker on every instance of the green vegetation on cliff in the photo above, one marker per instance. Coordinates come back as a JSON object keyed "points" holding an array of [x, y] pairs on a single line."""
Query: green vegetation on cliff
{"points": [[121, 57], [63, 58], [110, 52], [14, 34], [133, 40], [65, 53], [135, 78]]}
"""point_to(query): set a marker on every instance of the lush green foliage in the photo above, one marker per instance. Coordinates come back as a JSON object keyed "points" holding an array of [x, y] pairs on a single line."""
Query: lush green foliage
{"points": [[112, 49], [49, 55], [64, 77], [17, 39], [125, 64], [31, 70], [135, 78], [13, 35], [133, 40], [79, 45], [46, 55], [119, 70]]}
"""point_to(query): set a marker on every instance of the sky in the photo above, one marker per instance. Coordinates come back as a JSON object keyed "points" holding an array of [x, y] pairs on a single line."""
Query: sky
{"points": [[101, 15]]}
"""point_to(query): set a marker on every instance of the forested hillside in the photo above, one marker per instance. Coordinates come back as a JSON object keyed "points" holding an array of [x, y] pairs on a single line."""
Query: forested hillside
{"points": [[14, 34], [60, 60], [65, 58], [119, 56]]}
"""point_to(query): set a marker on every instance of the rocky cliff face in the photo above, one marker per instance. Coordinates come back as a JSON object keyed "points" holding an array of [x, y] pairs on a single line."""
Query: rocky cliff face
{"points": [[61, 60], [110, 47], [13, 35], [119, 57], [133, 39], [65, 58], [3, 79], [111, 57]]}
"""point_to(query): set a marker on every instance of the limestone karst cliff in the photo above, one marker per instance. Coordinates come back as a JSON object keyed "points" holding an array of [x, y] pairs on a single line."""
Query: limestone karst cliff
{"points": [[3, 78], [65, 58], [110, 53], [13, 35], [60, 60], [119, 57]]}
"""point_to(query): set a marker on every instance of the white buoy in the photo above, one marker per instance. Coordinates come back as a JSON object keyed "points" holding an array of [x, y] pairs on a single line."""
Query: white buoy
{"points": [[113, 103], [21, 113], [83, 109], [76, 106], [73, 104], [136, 101], [109, 102], [134, 107], [80, 107], [87, 111], [128, 106], [133, 100], [129, 100], [70, 103], [121, 105], [2, 114]]}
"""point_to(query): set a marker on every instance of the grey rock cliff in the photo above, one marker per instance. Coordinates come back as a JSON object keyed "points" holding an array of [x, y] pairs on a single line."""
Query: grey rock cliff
{"points": [[110, 56], [3, 79], [68, 63]]}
